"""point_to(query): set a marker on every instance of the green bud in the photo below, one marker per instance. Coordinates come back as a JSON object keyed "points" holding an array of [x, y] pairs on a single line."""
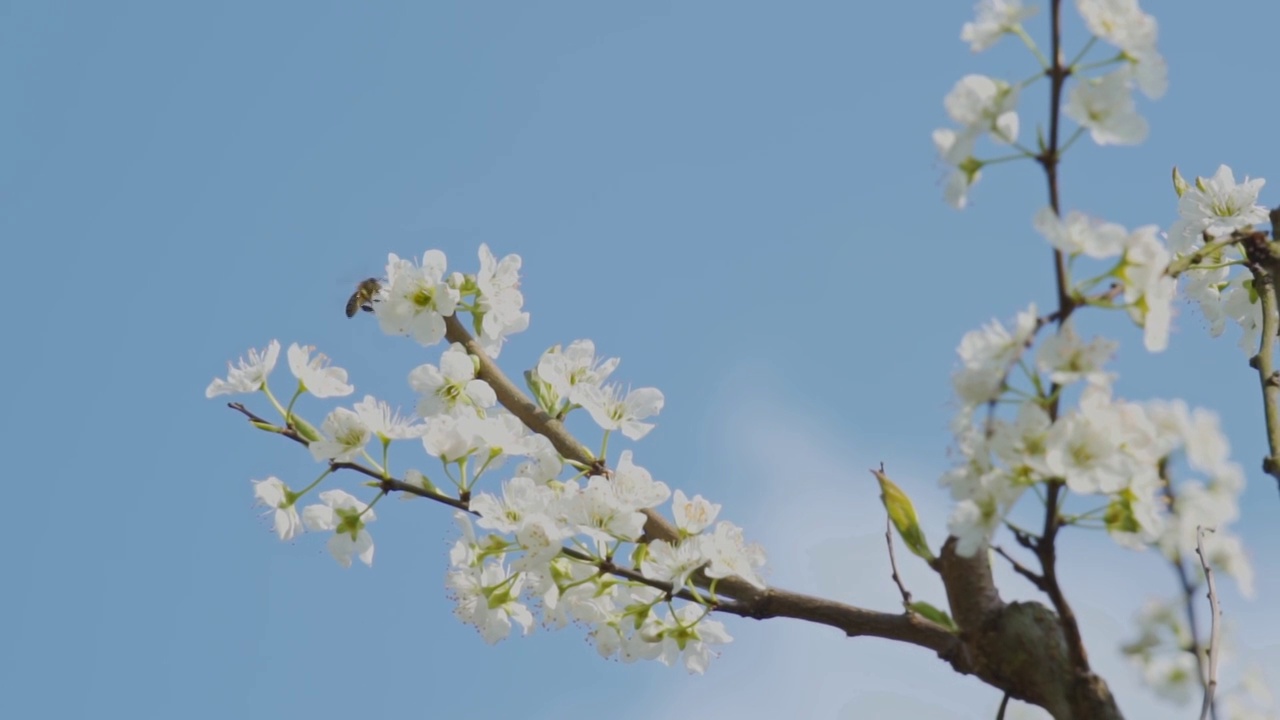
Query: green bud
{"points": [[305, 429], [1179, 183], [903, 515]]}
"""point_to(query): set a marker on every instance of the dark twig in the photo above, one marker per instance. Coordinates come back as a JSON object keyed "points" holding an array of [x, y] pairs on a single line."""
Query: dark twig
{"points": [[388, 484], [1049, 159], [1215, 612], [1024, 538], [285, 431], [893, 563], [1031, 575], [1004, 704]]}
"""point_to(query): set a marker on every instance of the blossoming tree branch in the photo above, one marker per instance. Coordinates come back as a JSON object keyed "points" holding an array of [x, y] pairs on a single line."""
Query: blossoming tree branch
{"points": [[581, 535]]}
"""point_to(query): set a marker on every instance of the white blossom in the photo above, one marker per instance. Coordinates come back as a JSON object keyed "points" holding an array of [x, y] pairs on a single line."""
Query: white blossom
{"points": [[248, 375]]}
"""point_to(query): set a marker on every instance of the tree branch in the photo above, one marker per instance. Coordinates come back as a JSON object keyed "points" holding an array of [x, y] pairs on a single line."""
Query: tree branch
{"points": [[1215, 612], [1017, 648], [1045, 549], [1264, 263], [513, 399], [743, 599]]}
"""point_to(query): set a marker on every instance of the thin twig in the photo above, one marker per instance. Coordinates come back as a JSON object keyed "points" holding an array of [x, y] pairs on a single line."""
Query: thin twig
{"points": [[1215, 612], [893, 563], [1188, 590], [1034, 577], [285, 431], [1003, 705]]}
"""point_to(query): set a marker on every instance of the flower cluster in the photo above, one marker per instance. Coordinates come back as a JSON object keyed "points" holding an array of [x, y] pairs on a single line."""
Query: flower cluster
{"points": [[415, 298], [1209, 212], [521, 560], [1162, 653], [549, 542], [1113, 458], [1140, 271], [1117, 450], [1103, 105]]}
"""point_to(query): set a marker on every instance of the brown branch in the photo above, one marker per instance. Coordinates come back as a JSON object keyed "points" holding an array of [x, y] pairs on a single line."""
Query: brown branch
{"points": [[777, 603], [1018, 647], [1215, 612], [513, 399], [741, 599], [856, 622], [1047, 552], [656, 527]]}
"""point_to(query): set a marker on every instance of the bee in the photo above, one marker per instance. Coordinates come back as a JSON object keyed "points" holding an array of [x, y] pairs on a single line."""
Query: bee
{"points": [[364, 296]]}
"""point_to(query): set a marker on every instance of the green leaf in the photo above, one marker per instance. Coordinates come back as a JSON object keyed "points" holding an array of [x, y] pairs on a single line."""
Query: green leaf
{"points": [[903, 515], [923, 608]]}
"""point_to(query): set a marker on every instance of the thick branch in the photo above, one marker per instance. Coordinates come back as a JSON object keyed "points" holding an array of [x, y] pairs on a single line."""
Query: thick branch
{"points": [[1264, 263], [1018, 647], [855, 622]]}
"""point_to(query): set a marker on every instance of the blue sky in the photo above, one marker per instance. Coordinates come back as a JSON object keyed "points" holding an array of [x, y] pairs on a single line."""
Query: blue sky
{"points": [[740, 199]]}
